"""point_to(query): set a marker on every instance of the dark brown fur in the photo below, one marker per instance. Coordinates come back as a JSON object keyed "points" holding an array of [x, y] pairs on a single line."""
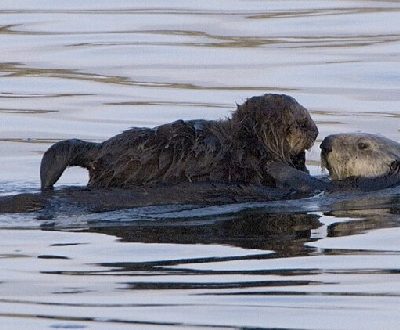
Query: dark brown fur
{"points": [[263, 129]]}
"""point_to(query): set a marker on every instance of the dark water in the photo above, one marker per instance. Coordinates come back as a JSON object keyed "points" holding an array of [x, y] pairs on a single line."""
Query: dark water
{"points": [[92, 69]]}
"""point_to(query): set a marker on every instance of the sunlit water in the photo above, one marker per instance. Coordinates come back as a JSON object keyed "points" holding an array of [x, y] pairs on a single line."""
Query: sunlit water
{"points": [[90, 69]]}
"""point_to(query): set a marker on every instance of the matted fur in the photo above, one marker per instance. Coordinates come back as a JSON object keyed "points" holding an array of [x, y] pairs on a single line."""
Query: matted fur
{"points": [[265, 128]]}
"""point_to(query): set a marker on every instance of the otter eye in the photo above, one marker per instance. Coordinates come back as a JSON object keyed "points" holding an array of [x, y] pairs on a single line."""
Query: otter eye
{"points": [[362, 145]]}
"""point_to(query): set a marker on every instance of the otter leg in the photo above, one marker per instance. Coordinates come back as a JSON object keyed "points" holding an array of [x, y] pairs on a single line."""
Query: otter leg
{"points": [[286, 176], [63, 154]]}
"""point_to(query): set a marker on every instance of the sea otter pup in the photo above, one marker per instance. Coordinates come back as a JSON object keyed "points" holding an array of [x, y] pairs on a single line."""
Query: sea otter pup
{"points": [[265, 128]]}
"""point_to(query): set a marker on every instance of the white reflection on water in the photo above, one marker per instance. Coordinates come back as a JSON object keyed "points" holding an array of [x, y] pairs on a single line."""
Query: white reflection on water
{"points": [[92, 69]]}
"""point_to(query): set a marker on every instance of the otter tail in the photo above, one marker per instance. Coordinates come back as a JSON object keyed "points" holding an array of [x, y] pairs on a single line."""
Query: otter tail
{"points": [[63, 154]]}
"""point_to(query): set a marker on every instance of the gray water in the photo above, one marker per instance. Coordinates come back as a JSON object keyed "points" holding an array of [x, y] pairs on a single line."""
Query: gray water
{"points": [[90, 69]]}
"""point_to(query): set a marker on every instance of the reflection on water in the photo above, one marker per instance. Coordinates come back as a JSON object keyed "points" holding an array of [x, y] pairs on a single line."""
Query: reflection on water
{"points": [[92, 69], [253, 270], [285, 234]]}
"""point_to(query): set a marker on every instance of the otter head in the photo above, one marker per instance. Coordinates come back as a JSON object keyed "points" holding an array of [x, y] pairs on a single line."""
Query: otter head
{"points": [[359, 155], [278, 125]]}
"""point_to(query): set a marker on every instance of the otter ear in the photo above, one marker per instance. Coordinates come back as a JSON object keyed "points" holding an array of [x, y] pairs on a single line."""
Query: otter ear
{"points": [[395, 166]]}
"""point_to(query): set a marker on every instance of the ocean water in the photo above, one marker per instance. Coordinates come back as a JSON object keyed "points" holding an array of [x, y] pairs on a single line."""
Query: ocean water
{"points": [[91, 69]]}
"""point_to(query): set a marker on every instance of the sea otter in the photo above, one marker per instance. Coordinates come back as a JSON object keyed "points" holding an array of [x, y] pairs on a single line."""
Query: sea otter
{"points": [[364, 160], [265, 128], [359, 155], [357, 161]]}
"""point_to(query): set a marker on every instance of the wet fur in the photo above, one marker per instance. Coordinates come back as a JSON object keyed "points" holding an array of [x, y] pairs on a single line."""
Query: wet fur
{"points": [[263, 129]]}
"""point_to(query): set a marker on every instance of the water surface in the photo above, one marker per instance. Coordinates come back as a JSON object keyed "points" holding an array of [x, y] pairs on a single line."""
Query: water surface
{"points": [[92, 69]]}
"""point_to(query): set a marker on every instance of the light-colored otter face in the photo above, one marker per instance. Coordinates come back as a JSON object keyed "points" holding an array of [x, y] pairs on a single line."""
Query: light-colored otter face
{"points": [[359, 155]]}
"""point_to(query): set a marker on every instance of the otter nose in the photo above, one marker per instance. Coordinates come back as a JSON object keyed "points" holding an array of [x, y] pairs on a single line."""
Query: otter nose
{"points": [[326, 146]]}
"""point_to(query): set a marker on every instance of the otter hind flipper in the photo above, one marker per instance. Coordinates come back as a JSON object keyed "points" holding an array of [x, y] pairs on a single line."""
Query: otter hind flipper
{"points": [[62, 154]]}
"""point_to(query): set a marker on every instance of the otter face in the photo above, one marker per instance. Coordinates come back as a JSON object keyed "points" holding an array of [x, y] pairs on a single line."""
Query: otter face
{"points": [[302, 131], [359, 155], [277, 124]]}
